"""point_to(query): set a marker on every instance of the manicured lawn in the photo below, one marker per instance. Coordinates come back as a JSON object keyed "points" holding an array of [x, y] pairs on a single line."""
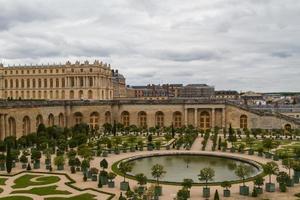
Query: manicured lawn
{"points": [[16, 198], [25, 181], [2, 181], [50, 190], [85, 196]]}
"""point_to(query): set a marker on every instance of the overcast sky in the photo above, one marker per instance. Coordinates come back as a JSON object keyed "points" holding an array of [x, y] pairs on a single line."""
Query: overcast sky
{"points": [[231, 44]]}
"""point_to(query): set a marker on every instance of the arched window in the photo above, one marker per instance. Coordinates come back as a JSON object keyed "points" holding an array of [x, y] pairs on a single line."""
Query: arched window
{"points": [[90, 81], [11, 126], [51, 120], [26, 125], [40, 83], [125, 118], [94, 120], [177, 119], [28, 83], [57, 83], [33, 83], [78, 118], [142, 119], [63, 82], [45, 83], [17, 83], [71, 94], [22, 83], [61, 120], [80, 94], [90, 94], [243, 121], [205, 120], [51, 83], [287, 127], [6, 85], [108, 117], [159, 119], [39, 120], [81, 82], [11, 83]]}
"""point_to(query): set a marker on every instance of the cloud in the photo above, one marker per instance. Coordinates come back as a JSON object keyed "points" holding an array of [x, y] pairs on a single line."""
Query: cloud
{"points": [[242, 45]]}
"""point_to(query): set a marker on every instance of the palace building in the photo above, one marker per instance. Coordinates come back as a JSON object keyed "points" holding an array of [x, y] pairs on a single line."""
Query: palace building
{"points": [[52, 82], [65, 95]]}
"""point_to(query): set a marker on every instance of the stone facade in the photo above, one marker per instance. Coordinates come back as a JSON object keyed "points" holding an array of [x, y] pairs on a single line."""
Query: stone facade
{"points": [[52, 82], [19, 118]]}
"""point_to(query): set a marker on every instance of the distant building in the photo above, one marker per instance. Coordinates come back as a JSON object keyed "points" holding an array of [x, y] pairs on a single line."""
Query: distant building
{"points": [[253, 98], [119, 84], [196, 91], [227, 94]]}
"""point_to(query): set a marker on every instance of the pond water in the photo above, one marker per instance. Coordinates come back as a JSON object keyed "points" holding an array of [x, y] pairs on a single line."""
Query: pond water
{"points": [[179, 167]]}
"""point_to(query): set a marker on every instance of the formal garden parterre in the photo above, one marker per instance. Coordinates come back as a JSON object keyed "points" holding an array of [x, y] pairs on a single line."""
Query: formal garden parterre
{"points": [[84, 163]]}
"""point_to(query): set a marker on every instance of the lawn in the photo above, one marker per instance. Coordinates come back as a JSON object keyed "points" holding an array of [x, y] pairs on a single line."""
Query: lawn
{"points": [[16, 198], [2, 181], [25, 181], [42, 191], [85, 196]]}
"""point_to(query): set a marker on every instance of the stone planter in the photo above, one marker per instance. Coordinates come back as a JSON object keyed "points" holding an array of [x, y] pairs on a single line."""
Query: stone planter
{"points": [[232, 150], [117, 151], [132, 149], [24, 165], [244, 190], [290, 183], [270, 187], [78, 169], [36, 164], [94, 177], [275, 157], [150, 148], [111, 184], [296, 179], [105, 154], [259, 190], [47, 161], [103, 180], [168, 147], [157, 147], [251, 152], [124, 186], [124, 150], [226, 193], [89, 174], [206, 192], [141, 148], [60, 167], [158, 191]]}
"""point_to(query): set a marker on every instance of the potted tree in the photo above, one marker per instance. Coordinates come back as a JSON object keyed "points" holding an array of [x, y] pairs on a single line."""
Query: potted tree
{"points": [[59, 161], [24, 161], [157, 144], [48, 157], [183, 194], [243, 171], [282, 178], [111, 176], [226, 185], [36, 156], [85, 165], [260, 151], [124, 168], [270, 168], [157, 173], [72, 164], [142, 180], [150, 144], [206, 174], [288, 164], [77, 164], [296, 168], [94, 173], [258, 183], [141, 145], [103, 174], [187, 185], [125, 145]]}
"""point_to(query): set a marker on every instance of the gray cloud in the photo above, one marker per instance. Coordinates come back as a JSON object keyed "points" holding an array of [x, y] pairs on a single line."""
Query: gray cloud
{"points": [[242, 45]]}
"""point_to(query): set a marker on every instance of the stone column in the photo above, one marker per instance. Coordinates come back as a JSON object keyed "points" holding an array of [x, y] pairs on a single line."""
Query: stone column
{"points": [[196, 117], [2, 134], [213, 118], [185, 116], [223, 118]]}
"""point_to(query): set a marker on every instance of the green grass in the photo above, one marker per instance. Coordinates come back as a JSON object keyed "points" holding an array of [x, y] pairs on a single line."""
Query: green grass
{"points": [[25, 181], [16, 198], [85, 196], [42, 191], [2, 181]]}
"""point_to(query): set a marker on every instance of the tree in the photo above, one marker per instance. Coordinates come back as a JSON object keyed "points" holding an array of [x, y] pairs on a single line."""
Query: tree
{"points": [[226, 185], [231, 136], [216, 197], [187, 183], [206, 174], [270, 168], [259, 181], [104, 164], [267, 143], [8, 160], [157, 172], [243, 171], [141, 179], [125, 167], [282, 178], [288, 164]]}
